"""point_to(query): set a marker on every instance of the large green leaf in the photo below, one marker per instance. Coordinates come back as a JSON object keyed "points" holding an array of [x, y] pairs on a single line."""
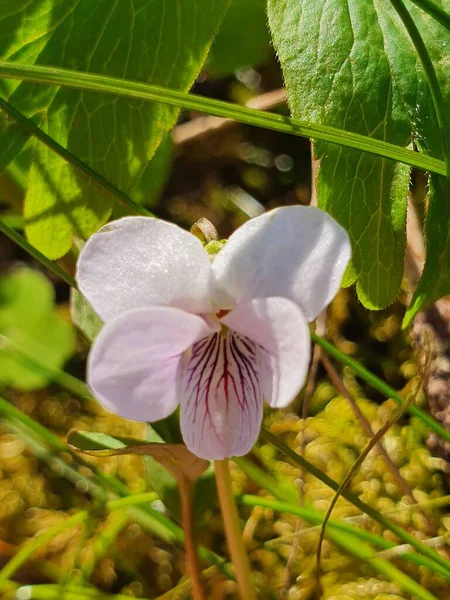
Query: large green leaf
{"points": [[29, 320], [351, 64], [163, 42]]}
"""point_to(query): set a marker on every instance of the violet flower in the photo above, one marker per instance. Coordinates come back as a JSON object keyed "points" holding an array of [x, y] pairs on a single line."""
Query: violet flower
{"points": [[215, 338]]}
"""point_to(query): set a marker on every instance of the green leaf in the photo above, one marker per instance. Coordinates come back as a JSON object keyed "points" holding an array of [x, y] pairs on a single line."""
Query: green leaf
{"points": [[29, 320], [351, 65], [237, 44], [149, 186], [161, 42]]}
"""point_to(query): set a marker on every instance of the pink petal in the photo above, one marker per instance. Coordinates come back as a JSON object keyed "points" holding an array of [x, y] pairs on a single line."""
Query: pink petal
{"points": [[221, 401], [278, 329], [296, 252], [141, 261], [134, 362]]}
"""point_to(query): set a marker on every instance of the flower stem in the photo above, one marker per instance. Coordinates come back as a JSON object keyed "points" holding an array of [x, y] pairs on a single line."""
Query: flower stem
{"points": [[190, 546], [233, 531]]}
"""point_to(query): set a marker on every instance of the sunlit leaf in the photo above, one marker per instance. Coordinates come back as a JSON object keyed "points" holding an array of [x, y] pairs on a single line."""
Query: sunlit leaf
{"points": [[351, 64], [163, 43], [150, 184]]}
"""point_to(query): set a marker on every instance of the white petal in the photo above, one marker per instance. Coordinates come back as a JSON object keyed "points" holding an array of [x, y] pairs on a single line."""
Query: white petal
{"points": [[297, 252], [280, 331], [134, 362], [141, 261], [221, 399]]}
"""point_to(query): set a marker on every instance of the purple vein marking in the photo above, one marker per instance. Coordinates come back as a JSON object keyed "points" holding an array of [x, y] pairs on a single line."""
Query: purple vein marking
{"points": [[222, 388]]}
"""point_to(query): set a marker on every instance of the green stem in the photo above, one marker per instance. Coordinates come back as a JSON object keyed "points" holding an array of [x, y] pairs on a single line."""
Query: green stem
{"points": [[145, 91], [32, 251], [435, 11], [430, 75], [233, 531], [379, 385]]}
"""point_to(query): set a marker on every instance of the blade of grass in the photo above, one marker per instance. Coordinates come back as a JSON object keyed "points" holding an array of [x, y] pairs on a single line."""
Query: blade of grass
{"points": [[156, 522], [76, 386], [379, 385], [365, 554], [133, 89], [103, 541], [32, 251], [385, 567], [435, 11], [374, 514], [341, 388], [266, 481], [315, 517], [182, 590]]}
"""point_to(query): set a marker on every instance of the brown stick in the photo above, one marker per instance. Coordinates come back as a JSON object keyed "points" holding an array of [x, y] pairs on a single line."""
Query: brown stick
{"points": [[190, 545]]}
